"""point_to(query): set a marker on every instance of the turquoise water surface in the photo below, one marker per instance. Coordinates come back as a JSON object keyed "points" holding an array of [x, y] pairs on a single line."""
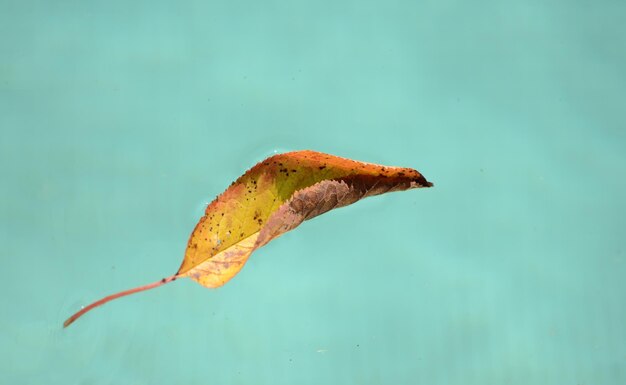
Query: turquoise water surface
{"points": [[121, 120]]}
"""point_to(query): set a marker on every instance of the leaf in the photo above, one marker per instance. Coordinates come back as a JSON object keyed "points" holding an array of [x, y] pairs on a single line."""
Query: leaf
{"points": [[271, 198]]}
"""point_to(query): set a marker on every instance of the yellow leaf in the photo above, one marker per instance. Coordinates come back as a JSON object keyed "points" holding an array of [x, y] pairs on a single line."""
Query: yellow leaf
{"points": [[271, 198]]}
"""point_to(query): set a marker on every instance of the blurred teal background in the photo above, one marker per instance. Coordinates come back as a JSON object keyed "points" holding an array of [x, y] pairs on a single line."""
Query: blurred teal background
{"points": [[121, 120]]}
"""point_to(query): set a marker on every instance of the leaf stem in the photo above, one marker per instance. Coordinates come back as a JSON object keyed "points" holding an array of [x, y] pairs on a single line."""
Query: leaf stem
{"points": [[111, 297]]}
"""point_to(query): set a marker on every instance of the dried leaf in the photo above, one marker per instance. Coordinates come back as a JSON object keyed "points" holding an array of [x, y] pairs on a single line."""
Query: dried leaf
{"points": [[271, 198]]}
